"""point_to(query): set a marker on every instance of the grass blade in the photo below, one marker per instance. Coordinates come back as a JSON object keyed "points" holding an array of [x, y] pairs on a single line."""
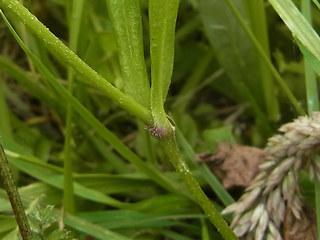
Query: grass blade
{"points": [[316, 3], [64, 54], [258, 23], [127, 27], [75, 24], [313, 101], [162, 20], [299, 27], [231, 45], [123, 150], [92, 229], [266, 60]]}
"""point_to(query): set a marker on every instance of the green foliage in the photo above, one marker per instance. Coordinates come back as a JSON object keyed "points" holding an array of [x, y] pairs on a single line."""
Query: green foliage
{"points": [[162, 21], [300, 29], [217, 135], [43, 223], [127, 26], [44, 226], [232, 47], [209, 66]]}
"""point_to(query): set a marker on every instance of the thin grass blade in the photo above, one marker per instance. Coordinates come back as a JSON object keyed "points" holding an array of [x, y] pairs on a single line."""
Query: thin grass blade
{"points": [[126, 21], [162, 20], [98, 126]]}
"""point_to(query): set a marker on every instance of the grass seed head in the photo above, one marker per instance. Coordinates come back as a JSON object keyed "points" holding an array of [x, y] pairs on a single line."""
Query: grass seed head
{"points": [[275, 192]]}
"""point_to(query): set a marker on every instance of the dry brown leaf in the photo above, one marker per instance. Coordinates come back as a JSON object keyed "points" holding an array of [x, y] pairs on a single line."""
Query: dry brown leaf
{"points": [[304, 229], [234, 165]]}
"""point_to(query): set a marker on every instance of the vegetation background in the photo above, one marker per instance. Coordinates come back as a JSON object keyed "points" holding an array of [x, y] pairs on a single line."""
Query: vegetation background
{"points": [[224, 88]]}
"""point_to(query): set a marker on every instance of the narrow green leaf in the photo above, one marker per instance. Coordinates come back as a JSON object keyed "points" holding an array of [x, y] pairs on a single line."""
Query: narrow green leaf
{"points": [[204, 230], [92, 229], [299, 27], [232, 46], [115, 184], [316, 3], [175, 236], [126, 21], [237, 14], [162, 20], [258, 23], [7, 224], [120, 219], [34, 190], [312, 92], [97, 125], [75, 24], [310, 57], [36, 88], [32, 167], [27, 80], [64, 54]]}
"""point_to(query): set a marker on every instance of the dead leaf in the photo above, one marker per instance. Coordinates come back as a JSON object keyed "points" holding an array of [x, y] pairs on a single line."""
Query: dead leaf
{"points": [[234, 165]]}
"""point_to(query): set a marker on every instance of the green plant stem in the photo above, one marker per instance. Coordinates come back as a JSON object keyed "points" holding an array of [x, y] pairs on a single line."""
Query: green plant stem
{"points": [[63, 53], [212, 180], [170, 147], [266, 60], [68, 195], [258, 23], [313, 101], [68, 192], [14, 196]]}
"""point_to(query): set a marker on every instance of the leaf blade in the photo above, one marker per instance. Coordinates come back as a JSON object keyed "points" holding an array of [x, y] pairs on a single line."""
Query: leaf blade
{"points": [[162, 20], [126, 22]]}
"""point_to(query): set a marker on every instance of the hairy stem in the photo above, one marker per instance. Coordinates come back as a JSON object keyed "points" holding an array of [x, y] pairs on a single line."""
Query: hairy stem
{"points": [[170, 147], [14, 196]]}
